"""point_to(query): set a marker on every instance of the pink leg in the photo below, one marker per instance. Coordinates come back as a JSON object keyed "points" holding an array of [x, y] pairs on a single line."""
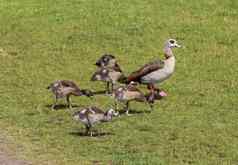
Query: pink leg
{"points": [[152, 88], [163, 93]]}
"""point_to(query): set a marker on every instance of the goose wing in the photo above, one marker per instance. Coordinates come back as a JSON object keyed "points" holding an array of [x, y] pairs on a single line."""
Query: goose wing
{"points": [[133, 93], [63, 83], [146, 69]]}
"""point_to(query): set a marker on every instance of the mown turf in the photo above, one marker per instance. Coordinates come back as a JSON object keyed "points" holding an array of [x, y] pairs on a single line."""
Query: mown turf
{"points": [[41, 41]]}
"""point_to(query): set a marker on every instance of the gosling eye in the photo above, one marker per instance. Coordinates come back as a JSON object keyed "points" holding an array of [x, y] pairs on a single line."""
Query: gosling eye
{"points": [[172, 41]]}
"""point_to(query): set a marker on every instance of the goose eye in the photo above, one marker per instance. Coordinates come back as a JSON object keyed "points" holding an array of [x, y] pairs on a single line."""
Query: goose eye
{"points": [[172, 41]]}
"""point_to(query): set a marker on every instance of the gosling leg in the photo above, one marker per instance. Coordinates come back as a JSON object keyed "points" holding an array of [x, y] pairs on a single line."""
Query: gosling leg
{"points": [[87, 129], [54, 104], [108, 88], [69, 102], [127, 109]]}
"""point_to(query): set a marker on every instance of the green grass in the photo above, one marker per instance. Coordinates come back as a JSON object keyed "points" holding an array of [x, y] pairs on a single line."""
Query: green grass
{"points": [[42, 41]]}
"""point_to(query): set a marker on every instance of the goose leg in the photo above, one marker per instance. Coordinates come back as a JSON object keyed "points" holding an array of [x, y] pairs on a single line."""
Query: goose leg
{"points": [[150, 100], [155, 90], [115, 105], [151, 106], [127, 109], [54, 104], [87, 129], [112, 87], [91, 132], [151, 87], [107, 87], [69, 102], [162, 93]]}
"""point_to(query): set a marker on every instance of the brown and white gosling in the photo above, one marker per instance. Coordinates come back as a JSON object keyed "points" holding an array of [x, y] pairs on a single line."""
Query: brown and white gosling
{"points": [[108, 71], [92, 115], [108, 75], [66, 88], [129, 93], [107, 60]]}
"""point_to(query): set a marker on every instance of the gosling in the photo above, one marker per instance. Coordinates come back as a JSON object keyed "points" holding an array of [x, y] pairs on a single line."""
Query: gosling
{"points": [[92, 115], [66, 88], [108, 71], [129, 93], [108, 75]]}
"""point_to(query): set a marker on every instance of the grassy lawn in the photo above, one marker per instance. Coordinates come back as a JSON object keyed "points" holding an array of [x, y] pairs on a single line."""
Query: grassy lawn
{"points": [[42, 41]]}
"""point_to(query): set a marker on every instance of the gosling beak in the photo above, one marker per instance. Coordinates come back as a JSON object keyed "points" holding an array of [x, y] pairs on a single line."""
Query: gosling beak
{"points": [[97, 63], [177, 45], [116, 114]]}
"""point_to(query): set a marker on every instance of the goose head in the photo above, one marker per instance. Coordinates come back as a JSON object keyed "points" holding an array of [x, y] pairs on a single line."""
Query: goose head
{"points": [[169, 44], [106, 60], [172, 43]]}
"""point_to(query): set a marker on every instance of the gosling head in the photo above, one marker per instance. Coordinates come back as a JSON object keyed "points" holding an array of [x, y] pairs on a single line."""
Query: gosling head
{"points": [[106, 60]]}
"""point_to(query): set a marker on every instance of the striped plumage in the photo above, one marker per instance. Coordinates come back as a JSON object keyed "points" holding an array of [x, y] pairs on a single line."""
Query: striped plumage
{"points": [[92, 115], [108, 71], [66, 88], [128, 93]]}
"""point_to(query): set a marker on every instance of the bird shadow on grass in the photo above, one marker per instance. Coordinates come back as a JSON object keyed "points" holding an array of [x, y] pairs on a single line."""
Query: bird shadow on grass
{"points": [[123, 112], [95, 134], [102, 92], [61, 106]]}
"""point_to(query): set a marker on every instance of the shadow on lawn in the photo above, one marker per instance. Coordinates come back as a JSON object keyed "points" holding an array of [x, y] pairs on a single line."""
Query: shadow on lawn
{"points": [[123, 112], [61, 106], [95, 134], [99, 92]]}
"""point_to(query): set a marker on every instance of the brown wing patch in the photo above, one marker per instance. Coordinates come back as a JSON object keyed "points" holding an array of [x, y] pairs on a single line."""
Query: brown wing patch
{"points": [[117, 68], [146, 69]]}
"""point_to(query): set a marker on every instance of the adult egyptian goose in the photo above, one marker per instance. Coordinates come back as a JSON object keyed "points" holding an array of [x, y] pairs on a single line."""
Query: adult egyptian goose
{"points": [[66, 88], [108, 71], [157, 71], [92, 115], [129, 93]]}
